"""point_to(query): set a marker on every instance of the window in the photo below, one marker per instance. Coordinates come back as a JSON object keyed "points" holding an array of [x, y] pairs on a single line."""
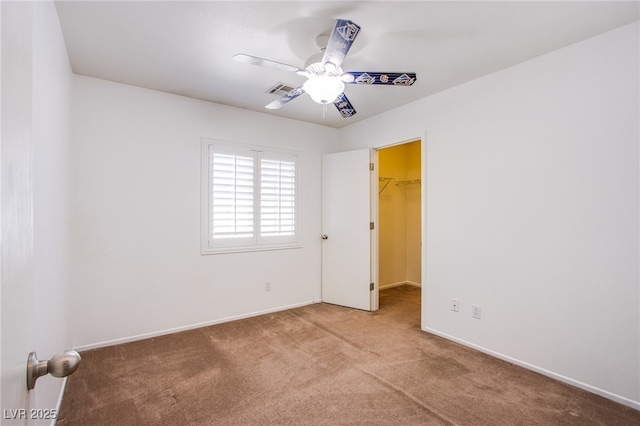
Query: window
{"points": [[249, 198]]}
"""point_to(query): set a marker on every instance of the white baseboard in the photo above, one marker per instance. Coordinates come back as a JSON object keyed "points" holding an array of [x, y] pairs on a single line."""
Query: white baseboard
{"points": [[595, 390], [59, 403], [113, 342], [382, 287]]}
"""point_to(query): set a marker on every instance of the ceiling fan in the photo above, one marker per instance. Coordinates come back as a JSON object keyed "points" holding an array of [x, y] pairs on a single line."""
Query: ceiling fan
{"points": [[325, 77]]}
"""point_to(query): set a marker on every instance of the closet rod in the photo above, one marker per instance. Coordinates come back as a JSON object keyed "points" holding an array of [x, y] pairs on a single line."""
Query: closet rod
{"points": [[409, 181]]}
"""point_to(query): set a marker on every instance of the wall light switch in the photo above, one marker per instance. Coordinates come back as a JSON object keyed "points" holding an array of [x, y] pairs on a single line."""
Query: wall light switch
{"points": [[455, 305]]}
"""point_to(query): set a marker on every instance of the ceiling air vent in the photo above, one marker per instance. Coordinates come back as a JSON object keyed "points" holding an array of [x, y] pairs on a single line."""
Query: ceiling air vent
{"points": [[280, 89]]}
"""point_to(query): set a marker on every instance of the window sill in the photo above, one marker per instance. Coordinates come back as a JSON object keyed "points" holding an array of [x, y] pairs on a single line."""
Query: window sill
{"points": [[228, 250]]}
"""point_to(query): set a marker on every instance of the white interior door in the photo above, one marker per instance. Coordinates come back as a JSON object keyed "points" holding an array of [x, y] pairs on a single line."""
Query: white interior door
{"points": [[347, 237], [16, 211]]}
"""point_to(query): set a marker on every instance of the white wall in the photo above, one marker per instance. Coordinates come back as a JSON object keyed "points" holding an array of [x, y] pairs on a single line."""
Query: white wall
{"points": [[136, 215], [532, 209], [36, 93]]}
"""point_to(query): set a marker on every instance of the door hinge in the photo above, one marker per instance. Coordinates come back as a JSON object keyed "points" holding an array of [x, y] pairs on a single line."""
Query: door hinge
{"points": [[371, 225], [371, 166], [371, 286]]}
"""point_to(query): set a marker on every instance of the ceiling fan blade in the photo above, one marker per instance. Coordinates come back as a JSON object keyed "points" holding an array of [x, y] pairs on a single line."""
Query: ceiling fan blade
{"points": [[386, 78], [342, 37], [261, 62], [279, 103], [344, 106]]}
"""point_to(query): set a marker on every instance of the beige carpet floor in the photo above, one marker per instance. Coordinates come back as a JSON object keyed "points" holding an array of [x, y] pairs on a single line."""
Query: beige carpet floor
{"points": [[321, 365]]}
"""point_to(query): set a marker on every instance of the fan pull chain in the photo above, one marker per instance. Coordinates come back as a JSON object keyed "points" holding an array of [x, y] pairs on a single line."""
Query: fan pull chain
{"points": [[324, 110]]}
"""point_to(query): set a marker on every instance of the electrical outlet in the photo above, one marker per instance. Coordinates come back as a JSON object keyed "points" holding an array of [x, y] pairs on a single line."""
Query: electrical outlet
{"points": [[267, 286], [475, 311], [455, 305]]}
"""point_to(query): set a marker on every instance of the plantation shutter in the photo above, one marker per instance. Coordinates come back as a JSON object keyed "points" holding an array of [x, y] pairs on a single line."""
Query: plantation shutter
{"points": [[249, 198], [232, 210], [277, 197]]}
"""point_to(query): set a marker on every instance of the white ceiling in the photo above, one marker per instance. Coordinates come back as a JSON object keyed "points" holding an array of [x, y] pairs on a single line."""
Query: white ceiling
{"points": [[186, 47]]}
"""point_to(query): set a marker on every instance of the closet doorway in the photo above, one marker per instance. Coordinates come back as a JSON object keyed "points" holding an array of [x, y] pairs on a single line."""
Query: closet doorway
{"points": [[399, 215]]}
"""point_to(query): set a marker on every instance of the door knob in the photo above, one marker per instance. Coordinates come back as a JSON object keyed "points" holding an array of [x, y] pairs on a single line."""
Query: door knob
{"points": [[60, 365], [325, 237]]}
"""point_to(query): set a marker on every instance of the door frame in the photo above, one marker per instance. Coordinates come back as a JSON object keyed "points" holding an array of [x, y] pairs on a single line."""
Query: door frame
{"points": [[375, 249]]}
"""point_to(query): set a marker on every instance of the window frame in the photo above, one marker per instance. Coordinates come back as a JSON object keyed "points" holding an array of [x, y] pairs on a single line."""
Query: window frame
{"points": [[257, 242]]}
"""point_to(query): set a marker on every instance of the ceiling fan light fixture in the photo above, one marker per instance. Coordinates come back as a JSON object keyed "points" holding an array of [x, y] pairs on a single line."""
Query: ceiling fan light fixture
{"points": [[323, 89]]}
